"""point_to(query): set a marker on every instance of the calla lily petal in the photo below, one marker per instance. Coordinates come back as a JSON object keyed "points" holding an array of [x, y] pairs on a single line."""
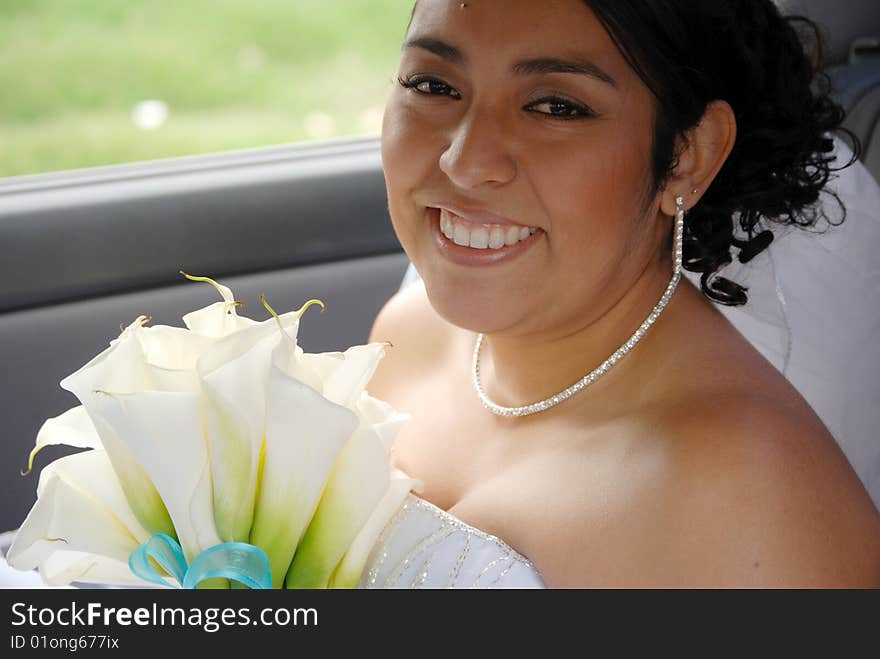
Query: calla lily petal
{"points": [[80, 507], [93, 473], [140, 492], [234, 462], [385, 419], [164, 432], [234, 380], [357, 483], [122, 367], [345, 378], [304, 435], [72, 428], [173, 347], [64, 567], [348, 573]]}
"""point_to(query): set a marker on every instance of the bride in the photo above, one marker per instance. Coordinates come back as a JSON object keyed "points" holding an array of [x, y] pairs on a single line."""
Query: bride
{"points": [[550, 169]]}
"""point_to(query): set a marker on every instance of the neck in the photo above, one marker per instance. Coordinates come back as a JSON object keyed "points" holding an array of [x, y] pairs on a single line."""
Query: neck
{"points": [[523, 369]]}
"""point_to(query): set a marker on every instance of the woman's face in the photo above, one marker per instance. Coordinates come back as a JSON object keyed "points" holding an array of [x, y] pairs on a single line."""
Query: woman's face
{"points": [[517, 151]]}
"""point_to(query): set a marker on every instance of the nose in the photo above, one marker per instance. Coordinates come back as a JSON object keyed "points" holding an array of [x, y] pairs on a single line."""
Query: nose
{"points": [[479, 152]]}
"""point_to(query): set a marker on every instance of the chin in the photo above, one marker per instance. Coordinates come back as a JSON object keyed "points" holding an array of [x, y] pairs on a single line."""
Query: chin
{"points": [[472, 307]]}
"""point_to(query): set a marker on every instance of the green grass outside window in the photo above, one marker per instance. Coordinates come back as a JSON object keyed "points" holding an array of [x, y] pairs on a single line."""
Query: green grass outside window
{"points": [[233, 74]]}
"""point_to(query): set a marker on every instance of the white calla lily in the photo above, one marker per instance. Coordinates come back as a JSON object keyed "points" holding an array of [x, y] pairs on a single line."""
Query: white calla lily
{"points": [[172, 351], [218, 319], [350, 569], [360, 477], [354, 488], [80, 507], [384, 419], [123, 368], [63, 567], [234, 378], [72, 428], [164, 433], [344, 376], [305, 433]]}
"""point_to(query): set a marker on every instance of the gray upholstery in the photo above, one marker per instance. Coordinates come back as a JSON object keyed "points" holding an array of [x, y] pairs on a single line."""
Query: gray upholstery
{"points": [[863, 112], [851, 29], [115, 229], [871, 145], [842, 22]]}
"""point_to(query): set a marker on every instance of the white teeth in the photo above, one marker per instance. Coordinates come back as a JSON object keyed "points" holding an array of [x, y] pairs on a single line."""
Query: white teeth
{"points": [[479, 238], [462, 236], [446, 227], [512, 236], [496, 238], [475, 236]]}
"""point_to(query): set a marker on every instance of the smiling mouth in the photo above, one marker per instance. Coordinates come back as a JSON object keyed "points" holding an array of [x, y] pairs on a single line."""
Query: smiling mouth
{"points": [[479, 235]]}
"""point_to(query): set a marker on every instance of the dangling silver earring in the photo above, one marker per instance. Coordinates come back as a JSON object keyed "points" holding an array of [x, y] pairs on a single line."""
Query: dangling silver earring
{"points": [[678, 238]]}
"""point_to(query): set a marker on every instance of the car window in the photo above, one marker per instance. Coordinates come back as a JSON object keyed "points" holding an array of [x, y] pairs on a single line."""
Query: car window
{"points": [[90, 82]]}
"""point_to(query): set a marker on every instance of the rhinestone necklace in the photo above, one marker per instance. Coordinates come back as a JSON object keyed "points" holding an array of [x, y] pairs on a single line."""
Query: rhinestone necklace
{"points": [[588, 379]]}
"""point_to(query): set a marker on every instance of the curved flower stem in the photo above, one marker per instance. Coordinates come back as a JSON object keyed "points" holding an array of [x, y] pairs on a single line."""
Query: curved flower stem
{"points": [[307, 305], [203, 279]]}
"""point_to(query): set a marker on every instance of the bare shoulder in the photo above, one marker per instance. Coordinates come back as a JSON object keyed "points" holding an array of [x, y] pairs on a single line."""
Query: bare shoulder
{"points": [[742, 492], [418, 338], [406, 310], [779, 497]]}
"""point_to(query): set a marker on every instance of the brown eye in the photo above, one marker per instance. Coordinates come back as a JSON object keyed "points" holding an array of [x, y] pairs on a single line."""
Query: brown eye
{"points": [[429, 87], [560, 108]]}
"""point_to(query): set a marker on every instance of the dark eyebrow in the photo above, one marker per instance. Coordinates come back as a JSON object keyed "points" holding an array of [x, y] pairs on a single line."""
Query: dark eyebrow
{"points": [[539, 66], [439, 48], [552, 65]]}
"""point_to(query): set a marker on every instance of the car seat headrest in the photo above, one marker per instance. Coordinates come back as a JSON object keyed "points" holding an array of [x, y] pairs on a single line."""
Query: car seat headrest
{"points": [[850, 26]]}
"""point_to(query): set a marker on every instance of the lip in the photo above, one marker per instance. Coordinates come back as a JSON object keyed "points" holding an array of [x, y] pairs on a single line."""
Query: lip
{"points": [[469, 256], [478, 216]]}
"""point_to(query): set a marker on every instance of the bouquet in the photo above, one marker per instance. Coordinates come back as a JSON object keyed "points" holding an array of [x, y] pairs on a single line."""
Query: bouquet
{"points": [[218, 455]]}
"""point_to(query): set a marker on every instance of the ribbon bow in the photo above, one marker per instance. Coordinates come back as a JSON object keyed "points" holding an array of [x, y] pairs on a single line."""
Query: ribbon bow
{"points": [[238, 561]]}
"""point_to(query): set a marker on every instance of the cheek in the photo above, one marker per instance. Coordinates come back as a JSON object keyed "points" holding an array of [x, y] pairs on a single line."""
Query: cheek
{"points": [[393, 148], [409, 148], [593, 195], [400, 155]]}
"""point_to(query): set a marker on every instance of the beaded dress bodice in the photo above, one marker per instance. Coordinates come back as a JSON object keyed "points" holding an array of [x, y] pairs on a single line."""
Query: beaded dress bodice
{"points": [[423, 546]]}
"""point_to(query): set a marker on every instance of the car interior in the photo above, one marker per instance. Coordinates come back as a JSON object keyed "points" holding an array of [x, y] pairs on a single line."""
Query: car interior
{"points": [[86, 250]]}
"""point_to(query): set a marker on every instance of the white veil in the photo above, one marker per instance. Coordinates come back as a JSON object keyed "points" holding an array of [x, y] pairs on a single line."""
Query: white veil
{"points": [[814, 313]]}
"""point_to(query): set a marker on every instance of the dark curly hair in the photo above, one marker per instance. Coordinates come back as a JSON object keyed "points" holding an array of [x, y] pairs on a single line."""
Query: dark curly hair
{"points": [[691, 52]]}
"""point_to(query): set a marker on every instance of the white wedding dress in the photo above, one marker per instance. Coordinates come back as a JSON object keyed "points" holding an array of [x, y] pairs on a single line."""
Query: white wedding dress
{"points": [[423, 546]]}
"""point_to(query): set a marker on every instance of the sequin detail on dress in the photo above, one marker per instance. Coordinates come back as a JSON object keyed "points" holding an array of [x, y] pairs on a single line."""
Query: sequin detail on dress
{"points": [[423, 546]]}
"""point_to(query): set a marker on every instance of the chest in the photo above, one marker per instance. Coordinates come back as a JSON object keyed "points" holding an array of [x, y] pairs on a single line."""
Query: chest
{"points": [[454, 452], [528, 482], [518, 481], [467, 472]]}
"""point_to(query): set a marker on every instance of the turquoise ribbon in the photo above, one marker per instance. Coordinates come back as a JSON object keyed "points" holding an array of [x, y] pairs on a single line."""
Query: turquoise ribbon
{"points": [[237, 561]]}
